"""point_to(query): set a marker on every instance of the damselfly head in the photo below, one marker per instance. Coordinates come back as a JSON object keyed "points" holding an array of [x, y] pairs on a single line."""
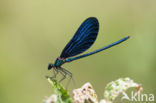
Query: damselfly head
{"points": [[50, 66]]}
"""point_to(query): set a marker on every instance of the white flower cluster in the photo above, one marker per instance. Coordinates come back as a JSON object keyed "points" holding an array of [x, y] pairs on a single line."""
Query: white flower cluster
{"points": [[85, 93], [51, 99], [114, 88]]}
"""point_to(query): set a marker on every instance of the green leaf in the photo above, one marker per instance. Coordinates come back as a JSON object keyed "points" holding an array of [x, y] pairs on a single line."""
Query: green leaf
{"points": [[62, 94]]}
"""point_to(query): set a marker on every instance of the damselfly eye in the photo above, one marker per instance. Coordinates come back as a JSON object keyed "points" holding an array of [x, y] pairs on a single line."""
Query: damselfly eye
{"points": [[50, 66]]}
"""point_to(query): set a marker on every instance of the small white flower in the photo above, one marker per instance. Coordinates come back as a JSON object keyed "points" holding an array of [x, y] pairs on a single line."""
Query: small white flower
{"points": [[51, 99], [85, 93]]}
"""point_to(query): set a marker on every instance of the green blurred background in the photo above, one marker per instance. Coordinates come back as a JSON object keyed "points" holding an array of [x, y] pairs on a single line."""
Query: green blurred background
{"points": [[34, 32]]}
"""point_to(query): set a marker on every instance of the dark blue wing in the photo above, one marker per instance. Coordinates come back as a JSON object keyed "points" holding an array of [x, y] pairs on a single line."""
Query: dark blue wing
{"points": [[83, 38]]}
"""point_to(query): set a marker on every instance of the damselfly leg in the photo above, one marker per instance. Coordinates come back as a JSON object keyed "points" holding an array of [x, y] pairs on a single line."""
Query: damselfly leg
{"points": [[55, 72], [65, 72]]}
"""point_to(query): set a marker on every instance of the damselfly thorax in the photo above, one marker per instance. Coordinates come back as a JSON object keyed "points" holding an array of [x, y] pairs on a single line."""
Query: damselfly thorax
{"points": [[59, 61]]}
